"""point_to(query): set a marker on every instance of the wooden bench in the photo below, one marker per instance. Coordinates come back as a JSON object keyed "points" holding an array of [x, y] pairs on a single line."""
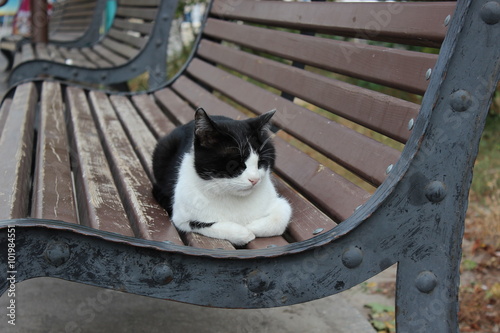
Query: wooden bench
{"points": [[373, 179], [73, 23], [134, 44]]}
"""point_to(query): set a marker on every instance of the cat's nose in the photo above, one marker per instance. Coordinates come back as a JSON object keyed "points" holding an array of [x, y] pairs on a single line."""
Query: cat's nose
{"points": [[253, 181]]}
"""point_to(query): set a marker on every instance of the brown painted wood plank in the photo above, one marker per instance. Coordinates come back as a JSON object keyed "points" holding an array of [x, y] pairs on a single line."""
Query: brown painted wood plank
{"points": [[307, 220], [143, 141], [362, 155], [149, 3], [53, 196], [98, 200], [333, 193], [142, 27], [412, 23], [367, 62], [95, 58], [123, 50], [108, 55], [382, 113], [16, 147], [137, 12], [204, 242], [153, 115], [127, 39], [174, 105], [151, 220], [266, 242]]}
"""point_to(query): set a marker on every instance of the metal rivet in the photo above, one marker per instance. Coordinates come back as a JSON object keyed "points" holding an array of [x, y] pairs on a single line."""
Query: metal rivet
{"points": [[104, 76], [426, 281], [158, 42], [435, 191], [75, 73], [460, 100], [352, 257], [428, 74], [447, 20], [411, 123], [389, 169], [162, 274], [257, 282], [45, 67], [490, 12], [271, 246], [317, 231], [57, 253]]}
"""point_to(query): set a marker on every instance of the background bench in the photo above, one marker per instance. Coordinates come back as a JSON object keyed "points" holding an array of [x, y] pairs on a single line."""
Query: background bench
{"points": [[134, 44], [73, 23], [373, 179]]}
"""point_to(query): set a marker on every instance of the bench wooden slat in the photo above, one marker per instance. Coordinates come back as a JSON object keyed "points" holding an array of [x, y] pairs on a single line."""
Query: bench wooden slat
{"points": [[382, 113], [362, 155], [95, 57], [411, 23], [53, 196], [171, 102], [121, 49], [140, 2], [125, 38], [266, 243], [109, 56], [333, 193], [139, 134], [150, 220], [307, 221], [136, 12], [98, 199], [153, 115], [358, 60], [16, 145], [143, 27]]}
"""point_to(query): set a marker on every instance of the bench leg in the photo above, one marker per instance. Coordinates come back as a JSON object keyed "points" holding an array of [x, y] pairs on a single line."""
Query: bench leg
{"points": [[427, 296], [10, 59]]}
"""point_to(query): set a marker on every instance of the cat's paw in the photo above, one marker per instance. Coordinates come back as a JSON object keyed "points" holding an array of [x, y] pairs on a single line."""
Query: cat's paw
{"points": [[273, 224], [242, 238]]}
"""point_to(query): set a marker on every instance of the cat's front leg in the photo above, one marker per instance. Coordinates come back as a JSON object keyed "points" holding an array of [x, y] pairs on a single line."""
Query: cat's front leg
{"points": [[274, 223], [233, 232]]}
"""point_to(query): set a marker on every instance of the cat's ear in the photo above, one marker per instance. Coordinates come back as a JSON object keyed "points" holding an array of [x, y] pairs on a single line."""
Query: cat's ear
{"points": [[262, 122], [205, 129]]}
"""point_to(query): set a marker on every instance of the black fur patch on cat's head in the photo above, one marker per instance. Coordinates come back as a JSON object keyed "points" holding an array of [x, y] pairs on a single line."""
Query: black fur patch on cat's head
{"points": [[222, 145]]}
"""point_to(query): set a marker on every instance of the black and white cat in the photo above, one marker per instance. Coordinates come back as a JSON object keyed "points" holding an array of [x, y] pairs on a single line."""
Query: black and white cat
{"points": [[213, 176]]}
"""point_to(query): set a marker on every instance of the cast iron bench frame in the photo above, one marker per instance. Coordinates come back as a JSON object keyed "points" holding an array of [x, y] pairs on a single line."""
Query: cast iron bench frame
{"points": [[415, 217]]}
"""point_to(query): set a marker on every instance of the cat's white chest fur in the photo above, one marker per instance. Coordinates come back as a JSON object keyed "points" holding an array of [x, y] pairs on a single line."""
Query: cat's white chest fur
{"points": [[238, 209]]}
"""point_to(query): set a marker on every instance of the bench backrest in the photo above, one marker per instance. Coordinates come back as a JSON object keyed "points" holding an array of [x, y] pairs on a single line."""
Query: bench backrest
{"points": [[71, 19], [132, 27], [346, 80]]}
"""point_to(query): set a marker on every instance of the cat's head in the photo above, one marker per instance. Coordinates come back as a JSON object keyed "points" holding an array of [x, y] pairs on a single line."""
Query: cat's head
{"points": [[234, 155]]}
